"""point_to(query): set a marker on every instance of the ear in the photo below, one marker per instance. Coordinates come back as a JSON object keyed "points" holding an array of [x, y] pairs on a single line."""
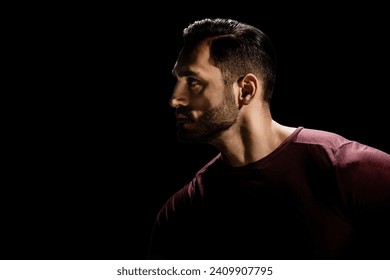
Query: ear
{"points": [[248, 87]]}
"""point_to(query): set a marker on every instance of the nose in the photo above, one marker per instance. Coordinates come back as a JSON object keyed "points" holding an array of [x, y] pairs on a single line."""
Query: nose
{"points": [[179, 97]]}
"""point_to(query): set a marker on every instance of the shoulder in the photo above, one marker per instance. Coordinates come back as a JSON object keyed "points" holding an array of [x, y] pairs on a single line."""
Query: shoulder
{"points": [[340, 146], [185, 199], [341, 151], [352, 159], [361, 171], [315, 137]]}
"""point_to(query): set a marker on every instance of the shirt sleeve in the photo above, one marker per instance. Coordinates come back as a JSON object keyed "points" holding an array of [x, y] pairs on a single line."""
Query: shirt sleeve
{"points": [[363, 173]]}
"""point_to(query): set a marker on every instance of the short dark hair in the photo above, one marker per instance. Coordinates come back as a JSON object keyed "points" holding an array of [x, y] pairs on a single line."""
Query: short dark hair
{"points": [[237, 49]]}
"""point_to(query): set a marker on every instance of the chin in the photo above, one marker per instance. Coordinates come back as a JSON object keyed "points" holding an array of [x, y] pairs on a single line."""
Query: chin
{"points": [[186, 136]]}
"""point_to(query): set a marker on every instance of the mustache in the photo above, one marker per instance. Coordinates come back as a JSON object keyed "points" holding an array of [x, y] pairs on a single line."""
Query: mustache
{"points": [[182, 110]]}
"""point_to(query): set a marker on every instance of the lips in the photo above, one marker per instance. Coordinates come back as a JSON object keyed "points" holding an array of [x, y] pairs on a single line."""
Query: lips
{"points": [[183, 115], [181, 120]]}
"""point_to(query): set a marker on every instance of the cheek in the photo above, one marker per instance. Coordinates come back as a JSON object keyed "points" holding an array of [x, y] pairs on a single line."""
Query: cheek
{"points": [[200, 102], [199, 105], [206, 100], [209, 100]]}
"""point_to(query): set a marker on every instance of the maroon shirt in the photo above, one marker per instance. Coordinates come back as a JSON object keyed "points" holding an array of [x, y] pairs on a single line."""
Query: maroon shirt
{"points": [[317, 196]]}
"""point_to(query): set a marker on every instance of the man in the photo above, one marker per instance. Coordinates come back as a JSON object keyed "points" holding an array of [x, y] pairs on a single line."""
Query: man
{"points": [[273, 191]]}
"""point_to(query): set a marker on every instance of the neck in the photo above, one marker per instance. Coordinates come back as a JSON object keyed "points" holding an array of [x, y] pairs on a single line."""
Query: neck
{"points": [[251, 139]]}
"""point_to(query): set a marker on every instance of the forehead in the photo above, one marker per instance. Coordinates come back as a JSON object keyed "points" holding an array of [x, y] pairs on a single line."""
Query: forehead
{"points": [[195, 61]]}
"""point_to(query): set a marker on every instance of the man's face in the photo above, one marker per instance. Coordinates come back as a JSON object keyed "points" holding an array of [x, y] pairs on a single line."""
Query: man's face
{"points": [[205, 107]]}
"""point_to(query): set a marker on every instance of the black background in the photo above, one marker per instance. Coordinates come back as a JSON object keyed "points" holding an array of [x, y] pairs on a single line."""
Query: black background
{"points": [[92, 143]]}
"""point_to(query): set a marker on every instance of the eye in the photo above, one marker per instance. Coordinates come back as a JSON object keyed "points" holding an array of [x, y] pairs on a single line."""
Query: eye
{"points": [[191, 82]]}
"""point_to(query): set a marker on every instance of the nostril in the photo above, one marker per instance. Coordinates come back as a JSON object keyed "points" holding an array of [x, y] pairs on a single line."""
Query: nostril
{"points": [[176, 102]]}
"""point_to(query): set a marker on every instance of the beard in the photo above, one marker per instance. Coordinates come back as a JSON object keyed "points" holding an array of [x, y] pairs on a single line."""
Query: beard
{"points": [[212, 123]]}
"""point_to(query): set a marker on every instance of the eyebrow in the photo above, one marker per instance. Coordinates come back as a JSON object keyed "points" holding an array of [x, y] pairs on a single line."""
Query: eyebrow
{"points": [[185, 73]]}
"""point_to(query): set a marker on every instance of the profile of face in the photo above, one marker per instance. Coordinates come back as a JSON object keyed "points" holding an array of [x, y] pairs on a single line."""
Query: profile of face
{"points": [[205, 106], [210, 123]]}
